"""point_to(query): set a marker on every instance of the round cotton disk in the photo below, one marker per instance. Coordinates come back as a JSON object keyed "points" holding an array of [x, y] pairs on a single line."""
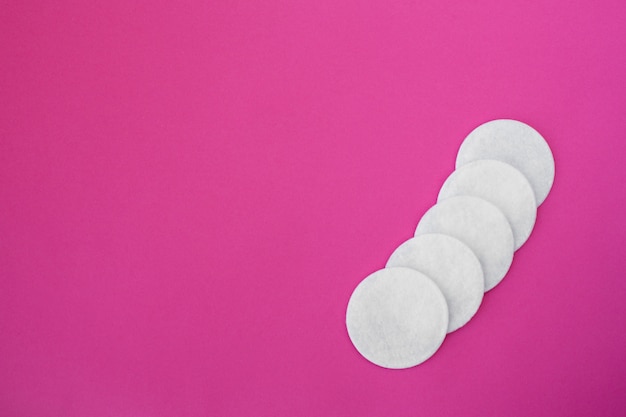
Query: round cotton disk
{"points": [[518, 145], [452, 266], [503, 186], [397, 318], [481, 226]]}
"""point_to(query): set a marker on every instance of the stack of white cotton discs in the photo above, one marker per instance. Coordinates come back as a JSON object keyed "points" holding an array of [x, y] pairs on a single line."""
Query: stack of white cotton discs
{"points": [[434, 283]]}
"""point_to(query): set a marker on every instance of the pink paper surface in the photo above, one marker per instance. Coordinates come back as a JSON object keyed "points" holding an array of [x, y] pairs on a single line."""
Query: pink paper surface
{"points": [[190, 191]]}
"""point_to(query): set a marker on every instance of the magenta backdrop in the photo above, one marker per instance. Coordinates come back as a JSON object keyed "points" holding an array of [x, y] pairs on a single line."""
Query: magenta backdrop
{"points": [[190, 191]]}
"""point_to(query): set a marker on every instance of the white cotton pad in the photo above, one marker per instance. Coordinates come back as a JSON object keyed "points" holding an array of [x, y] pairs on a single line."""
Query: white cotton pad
{"points": [[501, 185], [452, 266], [481, 226], [518, 145], [397, 318]]}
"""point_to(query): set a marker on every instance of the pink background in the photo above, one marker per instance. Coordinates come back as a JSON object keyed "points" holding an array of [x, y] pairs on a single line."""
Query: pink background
{"points": [[190, 191]]}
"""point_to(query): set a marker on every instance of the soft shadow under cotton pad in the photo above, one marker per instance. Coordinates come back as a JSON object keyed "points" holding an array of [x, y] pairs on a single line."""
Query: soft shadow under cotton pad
{"points": [[481, 226], [501, 185], [518, 145], [397, 318], [452, 266]]}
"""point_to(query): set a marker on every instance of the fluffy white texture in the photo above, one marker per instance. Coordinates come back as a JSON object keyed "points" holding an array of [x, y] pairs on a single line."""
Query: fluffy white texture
{"points": [[516, 144], [481, 226], [452, 266], [501, 185], [397, 318]]}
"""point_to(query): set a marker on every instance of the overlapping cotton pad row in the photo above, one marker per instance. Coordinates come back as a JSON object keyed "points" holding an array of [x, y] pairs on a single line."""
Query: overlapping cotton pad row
{"points": [[434, 283]]}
